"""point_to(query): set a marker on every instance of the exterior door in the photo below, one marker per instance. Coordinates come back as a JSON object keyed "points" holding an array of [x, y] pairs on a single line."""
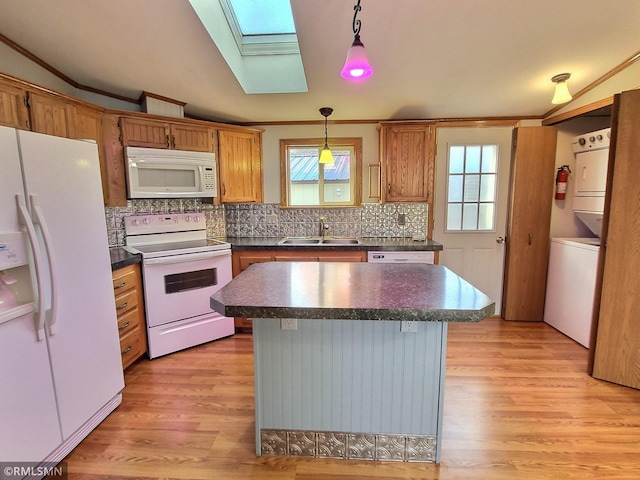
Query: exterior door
{"points": [[472, 186]]}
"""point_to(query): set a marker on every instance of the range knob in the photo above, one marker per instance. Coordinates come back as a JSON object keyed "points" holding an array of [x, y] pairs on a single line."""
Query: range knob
{"points": [[136, 222], [187, 218], [196, 218], [146, 221], [599, 137], [592, 139], [582, 141]]}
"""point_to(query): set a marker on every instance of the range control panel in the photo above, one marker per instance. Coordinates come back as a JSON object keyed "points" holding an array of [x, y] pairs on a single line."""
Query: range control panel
{"points": [[164, 223]]}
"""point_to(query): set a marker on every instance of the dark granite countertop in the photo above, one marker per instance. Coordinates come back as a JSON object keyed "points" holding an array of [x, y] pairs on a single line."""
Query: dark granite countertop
{"points": [[352, 291], [366, 244], [121, 258]]}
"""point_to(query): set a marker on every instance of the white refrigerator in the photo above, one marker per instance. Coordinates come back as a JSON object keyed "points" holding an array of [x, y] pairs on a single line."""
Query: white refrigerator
{"points": [[60, 362]]}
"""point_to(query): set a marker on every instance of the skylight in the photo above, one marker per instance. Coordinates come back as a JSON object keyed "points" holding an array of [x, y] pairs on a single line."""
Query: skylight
{"points": [[257, 17], [262, 27], [257, 39]]}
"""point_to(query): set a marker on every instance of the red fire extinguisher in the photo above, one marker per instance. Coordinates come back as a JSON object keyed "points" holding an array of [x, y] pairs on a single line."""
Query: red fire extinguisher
{"points": [[561, 181]]}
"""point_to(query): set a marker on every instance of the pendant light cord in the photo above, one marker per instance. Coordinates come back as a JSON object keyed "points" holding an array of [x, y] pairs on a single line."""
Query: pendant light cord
{"points": [[356, 23]]}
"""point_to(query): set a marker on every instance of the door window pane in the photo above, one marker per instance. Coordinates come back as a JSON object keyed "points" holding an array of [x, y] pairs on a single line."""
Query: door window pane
{"points": [[488, 188], [454, 216], [470, 216], [485, 216], [471, 188], [455, 188], [456, 160], [472, 163]]}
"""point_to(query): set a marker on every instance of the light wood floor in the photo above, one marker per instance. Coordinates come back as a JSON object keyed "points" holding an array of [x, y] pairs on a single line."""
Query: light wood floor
{"points": [[518, 405]]}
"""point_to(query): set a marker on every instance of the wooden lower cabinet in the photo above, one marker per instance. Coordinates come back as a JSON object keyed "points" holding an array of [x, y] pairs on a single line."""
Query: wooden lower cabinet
{"points": [[244, 259], [127, 289]]}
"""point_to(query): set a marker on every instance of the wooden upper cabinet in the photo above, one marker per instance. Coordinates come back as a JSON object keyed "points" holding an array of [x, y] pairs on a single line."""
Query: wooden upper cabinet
{"points": [[192, 137], [88, 124], [240, 163], [13, 108], [407, 162], [140, 132], [52, 115], [527, 250]]}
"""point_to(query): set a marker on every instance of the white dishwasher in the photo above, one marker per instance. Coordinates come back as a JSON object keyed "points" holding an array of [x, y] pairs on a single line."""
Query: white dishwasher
{"points": [[412, 256]]}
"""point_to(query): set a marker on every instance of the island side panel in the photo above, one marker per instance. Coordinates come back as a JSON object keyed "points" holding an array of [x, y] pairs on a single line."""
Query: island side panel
{"points": [[349, 377]]}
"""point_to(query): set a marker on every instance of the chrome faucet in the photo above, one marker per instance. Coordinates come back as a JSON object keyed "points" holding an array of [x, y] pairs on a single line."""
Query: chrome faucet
{"points": [[323, 227]]}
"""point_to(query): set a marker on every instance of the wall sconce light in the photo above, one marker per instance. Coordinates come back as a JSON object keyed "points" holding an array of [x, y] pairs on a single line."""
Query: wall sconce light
{"points": [[325, 154], [561, 94], [357, 65]]}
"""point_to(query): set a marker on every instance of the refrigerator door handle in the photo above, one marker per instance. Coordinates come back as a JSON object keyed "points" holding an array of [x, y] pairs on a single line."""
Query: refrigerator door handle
{"points": [[25, 220], [40, 220]]}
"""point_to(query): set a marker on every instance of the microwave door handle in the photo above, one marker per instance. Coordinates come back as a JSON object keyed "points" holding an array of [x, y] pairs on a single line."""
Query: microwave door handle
{"points": [[25, 220], [143, 161]]}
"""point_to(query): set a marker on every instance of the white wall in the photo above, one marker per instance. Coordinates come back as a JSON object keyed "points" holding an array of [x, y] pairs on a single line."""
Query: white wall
{"points": [[563, 221], [14, 64]]}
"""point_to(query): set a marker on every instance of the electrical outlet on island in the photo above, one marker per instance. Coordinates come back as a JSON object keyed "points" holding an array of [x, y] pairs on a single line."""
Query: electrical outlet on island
{"points": [[409, 326], [288, 324]]}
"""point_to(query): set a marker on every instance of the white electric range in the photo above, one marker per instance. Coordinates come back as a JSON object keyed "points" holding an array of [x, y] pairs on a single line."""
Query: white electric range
{"points": [[181, 269]]}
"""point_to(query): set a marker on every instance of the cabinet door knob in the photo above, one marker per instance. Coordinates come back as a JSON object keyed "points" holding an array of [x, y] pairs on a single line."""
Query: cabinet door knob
{"points": [[530, 239], [128, 349], [389, 189], [120, 286], [124, 305], [123, 326]]}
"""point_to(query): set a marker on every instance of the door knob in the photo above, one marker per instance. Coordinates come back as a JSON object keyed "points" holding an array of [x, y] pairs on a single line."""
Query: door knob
{"points": [[500, 240]]}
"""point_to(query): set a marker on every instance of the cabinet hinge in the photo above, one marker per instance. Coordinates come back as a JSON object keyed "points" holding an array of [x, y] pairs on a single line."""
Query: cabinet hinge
{"points": [[25, 99]]}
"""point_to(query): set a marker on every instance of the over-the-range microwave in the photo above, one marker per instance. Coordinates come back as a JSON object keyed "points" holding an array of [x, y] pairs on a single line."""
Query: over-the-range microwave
{"points": [[159, 173]]}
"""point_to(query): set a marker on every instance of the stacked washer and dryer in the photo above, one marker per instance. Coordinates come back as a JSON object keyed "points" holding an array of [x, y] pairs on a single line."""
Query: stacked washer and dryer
{"points": [[573, 262]]}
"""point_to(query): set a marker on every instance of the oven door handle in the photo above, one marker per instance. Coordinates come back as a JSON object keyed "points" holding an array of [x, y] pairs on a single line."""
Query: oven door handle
{"points": [[185, 258]]}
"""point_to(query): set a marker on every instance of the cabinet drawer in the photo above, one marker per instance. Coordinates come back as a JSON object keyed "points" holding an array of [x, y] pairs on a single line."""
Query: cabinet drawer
{"points": [[126, 301], [125, 279], [128, 321], [132, 346]]}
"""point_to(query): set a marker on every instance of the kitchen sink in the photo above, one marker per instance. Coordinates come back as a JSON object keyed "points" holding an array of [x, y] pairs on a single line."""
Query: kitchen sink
{"points": [[340, 241], [299, 241], [318, 241]]}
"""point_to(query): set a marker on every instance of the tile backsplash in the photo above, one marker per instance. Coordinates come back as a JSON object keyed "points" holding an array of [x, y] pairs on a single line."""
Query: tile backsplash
{"points": [[269, 220]]}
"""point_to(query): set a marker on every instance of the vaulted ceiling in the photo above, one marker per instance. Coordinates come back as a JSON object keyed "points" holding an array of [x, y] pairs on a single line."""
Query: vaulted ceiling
{"points": [[432, 58]]}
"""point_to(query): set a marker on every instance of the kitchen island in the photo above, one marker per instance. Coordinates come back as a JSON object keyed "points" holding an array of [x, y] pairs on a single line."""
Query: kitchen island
{"points": [[350, 357]]}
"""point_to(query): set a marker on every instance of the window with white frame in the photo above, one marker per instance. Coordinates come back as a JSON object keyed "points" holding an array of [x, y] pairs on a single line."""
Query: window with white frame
{"points": [[471, 187], [308, 183]]}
